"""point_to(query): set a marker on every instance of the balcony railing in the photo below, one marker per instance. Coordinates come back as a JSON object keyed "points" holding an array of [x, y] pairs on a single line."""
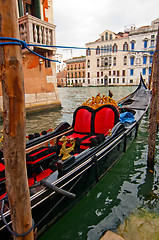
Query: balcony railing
{"points": [[36, 31]]}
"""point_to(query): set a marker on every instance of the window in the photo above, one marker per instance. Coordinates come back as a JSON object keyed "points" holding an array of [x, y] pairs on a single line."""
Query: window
{"points": [[117, 80], [106, 62], [75, 74], [106, 36], [83, 74], [88, 52], [97, 62], [109, 73], [144, 59], [131, 72], [132, 60], [113, 80], [71, 74], [113, 73], [152, 40], [123, 73], [47, 64], [114, 61], [88, 74], [131, 80], [118, 73], [98, 50], [110, 36], [104, 48], [83, 66], [68, 75], [125, 60], [71, 66], [109, 80], [144, 71], [68, 82], [125, 46], [75, 66], [145, 43], [83, 80], [97, 81], [110, 47], [102, 62], [149, 71], [110, 61], [88, 64], [102, 81], [132, 45], [88, 81], [97, 74], [102, 38], [123, 80], [79, 74], [79, 66], [68, 67], [115, 48], [101, 74], [151, 59]]}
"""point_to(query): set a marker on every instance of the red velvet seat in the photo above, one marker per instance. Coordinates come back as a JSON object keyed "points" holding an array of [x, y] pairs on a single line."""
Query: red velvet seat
{"points": [[104, 119], [89, 124]]}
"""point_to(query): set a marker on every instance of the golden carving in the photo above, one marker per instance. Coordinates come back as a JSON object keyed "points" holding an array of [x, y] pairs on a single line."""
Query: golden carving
{"points": [[65, 151], [96, 102]]}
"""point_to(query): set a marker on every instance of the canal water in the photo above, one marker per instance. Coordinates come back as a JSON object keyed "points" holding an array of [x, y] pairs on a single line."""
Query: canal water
{"points": [[126, 201]]}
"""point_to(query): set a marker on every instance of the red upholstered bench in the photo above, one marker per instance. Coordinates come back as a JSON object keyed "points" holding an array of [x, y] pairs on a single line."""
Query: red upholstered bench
{"points": [[82, 124], [91, 125], [104, 119]]}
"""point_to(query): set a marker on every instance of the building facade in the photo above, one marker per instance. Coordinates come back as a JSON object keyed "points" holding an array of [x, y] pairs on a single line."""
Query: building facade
{"points": [[76, 71], [62, 78], [119, 59], [36, 26]]}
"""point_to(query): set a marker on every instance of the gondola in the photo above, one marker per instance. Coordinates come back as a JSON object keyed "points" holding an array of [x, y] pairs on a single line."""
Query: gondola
{"points": [[64, 164]]}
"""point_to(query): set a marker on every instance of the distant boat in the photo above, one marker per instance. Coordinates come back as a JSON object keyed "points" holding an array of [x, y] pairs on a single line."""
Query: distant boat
{"points": [[65, 164]]}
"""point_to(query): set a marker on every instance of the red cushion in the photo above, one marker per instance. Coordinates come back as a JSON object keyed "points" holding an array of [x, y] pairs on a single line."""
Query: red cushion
{"points": [[82, 121], [104, 120]]}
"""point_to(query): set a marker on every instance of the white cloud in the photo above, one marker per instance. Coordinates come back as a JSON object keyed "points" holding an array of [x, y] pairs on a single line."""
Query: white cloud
{"points": [[80, 22]]}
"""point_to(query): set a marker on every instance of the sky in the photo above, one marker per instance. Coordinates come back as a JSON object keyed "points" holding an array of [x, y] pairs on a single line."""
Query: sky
{"points": [[80, 22]]}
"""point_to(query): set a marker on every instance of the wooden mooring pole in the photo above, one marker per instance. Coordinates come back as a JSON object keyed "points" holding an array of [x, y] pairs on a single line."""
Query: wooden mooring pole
{"points": [[154, 112], [11, 76]]}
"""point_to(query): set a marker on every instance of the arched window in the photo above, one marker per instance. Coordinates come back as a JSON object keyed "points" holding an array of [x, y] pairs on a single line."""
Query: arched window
{"points": [[145, 42], [132, 60], [115, 48], [125, 60], [132, 45], [88, 52], [98, 50], [125, 46], [106, 36]]}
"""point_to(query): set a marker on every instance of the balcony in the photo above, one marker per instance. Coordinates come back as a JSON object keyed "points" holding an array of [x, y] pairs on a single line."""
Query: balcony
{"points": [[36, 31]]}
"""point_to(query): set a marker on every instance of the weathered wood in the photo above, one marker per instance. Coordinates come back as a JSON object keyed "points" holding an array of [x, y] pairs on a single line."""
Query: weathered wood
{"points": [[11, 75], [154, 112]]}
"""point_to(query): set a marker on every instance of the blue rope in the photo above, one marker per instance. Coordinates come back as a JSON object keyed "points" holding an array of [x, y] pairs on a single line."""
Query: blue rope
{"points": [[24, 45]]}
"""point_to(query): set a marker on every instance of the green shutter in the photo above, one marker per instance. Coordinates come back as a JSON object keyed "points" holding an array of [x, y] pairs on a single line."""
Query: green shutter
{"points": [[37, 8]]}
